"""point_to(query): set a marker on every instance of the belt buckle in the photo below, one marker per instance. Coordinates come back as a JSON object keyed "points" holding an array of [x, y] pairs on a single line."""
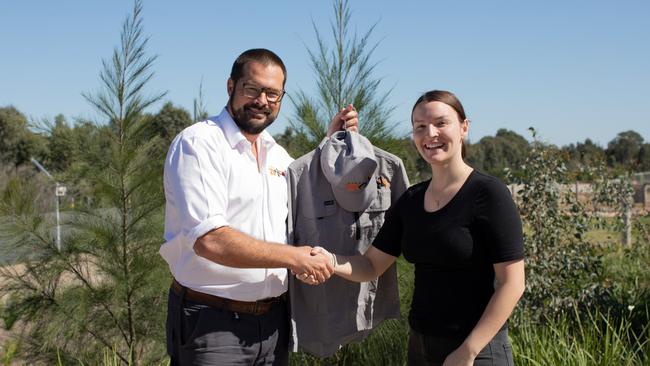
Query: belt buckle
{"points": [[256, 308]]}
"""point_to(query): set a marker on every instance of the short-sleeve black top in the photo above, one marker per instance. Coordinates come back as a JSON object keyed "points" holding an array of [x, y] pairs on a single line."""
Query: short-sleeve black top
{"points": [[453, 250]]}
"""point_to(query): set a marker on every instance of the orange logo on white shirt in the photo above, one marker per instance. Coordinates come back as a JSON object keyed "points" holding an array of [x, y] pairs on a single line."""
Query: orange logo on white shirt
{"points": [[277, 172]]}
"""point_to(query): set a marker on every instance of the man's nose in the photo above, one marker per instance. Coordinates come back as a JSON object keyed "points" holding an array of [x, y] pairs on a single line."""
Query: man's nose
{"points": [[260, 99]]}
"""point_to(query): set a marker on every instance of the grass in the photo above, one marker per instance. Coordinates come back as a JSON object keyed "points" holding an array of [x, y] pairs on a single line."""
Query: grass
{"points": [[9, 350], [591, 340]]}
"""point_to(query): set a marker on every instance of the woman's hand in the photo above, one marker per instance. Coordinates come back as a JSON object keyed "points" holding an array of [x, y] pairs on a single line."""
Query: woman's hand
{"points": [[460, 357]]}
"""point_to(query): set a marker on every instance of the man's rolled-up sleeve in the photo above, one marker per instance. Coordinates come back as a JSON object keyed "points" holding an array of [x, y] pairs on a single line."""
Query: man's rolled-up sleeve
{"points": [[196, 181]]}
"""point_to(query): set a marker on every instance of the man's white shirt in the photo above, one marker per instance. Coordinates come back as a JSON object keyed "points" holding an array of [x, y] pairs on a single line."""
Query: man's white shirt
{"points": [[212, 179]]}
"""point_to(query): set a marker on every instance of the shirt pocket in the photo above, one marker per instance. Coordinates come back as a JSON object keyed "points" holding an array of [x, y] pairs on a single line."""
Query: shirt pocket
{"points": [[314, 215], [369, 222], [382, 202]]}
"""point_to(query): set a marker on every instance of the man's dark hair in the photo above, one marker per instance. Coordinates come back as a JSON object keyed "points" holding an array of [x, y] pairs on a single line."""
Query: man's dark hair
{"points": [[261, 55]]}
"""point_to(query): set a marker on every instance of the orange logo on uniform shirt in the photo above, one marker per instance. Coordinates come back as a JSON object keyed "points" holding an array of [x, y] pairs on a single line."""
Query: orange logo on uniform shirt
{"points": [[356, 187], [383, 182], [277, 172]]}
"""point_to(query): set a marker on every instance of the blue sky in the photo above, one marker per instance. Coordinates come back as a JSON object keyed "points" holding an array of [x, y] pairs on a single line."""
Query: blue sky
{"points": [[572, 69]]}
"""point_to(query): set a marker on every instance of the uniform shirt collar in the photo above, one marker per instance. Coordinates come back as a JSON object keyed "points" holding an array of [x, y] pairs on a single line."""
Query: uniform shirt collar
{"points": [[234, 135]]}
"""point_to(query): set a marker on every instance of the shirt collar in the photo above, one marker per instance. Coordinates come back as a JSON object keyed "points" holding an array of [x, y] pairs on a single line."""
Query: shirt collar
{"points": [[233, 133]]}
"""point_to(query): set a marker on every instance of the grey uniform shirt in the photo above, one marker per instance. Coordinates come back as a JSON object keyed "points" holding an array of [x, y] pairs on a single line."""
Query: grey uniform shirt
{"points": [[330, 315]]}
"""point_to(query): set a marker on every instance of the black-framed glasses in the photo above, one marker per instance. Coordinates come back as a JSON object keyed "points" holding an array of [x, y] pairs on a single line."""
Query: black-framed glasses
{"points": [[272, 95]]}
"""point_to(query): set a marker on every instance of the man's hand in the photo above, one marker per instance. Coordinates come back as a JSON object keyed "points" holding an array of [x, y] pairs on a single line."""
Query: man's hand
{"points": [[346, 119], [317, 267], [310, 279]]}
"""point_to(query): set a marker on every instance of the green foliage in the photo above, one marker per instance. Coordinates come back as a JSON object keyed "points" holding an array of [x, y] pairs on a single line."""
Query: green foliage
{"points": [[60, 144], [558, 263], [167, 123], [613, 193], [17, 143], [623, 150], [84, 147], [72, 147], [164, 126], [199, 110], [8, 354], [594, 339], [627, 278], [344, 75], [100, 290], [296, 143], [644, 158], [417, 168], [13, 127], [584, 156], [564, 269], [496, 155]]}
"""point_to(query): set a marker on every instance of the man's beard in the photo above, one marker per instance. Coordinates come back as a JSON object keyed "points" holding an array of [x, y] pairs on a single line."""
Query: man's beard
{"points": [[245, 124]]}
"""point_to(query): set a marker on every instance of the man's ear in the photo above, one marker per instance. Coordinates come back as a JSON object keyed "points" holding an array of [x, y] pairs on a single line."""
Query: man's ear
{"points": [[230, 87]]}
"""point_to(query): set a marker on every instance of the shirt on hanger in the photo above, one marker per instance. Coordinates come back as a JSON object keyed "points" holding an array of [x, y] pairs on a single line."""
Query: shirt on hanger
{"points": [[328, 316]]}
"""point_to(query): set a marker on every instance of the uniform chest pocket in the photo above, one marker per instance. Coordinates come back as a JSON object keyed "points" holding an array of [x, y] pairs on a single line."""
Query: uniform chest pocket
{"points": [[368, 223], [315, 218], [381, 203], [318, 209]]}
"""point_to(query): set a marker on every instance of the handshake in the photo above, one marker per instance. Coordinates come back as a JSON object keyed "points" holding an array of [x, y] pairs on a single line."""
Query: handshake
{"points": [[315, 265]]}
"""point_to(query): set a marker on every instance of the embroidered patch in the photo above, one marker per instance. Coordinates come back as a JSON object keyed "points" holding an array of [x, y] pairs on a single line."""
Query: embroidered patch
{"points": [[277, 172], [383, 182], [356, 187]]}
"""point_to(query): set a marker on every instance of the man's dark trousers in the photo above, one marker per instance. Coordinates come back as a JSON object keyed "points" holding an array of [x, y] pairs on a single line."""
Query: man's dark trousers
{"points": [[198, 334]]}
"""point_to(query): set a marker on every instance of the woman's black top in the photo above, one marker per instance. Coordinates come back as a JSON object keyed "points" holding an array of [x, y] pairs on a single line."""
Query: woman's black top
{"points": [[453, 250]]}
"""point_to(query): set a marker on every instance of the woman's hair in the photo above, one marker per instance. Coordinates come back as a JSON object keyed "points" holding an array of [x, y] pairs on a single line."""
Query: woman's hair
{"points": [[449, 99]]}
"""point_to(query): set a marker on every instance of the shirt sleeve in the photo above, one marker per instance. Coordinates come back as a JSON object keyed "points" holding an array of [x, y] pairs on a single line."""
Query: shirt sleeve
{"points": [[196, 183], [399, 182], [502, 223], [389, 238]]}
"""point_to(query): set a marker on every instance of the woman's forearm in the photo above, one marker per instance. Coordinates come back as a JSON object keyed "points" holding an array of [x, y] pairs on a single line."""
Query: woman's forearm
{"points": [[496, 313], [498, 309], [362, 268], [356, 268]]}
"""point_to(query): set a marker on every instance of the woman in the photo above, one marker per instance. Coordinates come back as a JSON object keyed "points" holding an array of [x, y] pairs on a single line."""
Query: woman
{"points": [[462, 231]]}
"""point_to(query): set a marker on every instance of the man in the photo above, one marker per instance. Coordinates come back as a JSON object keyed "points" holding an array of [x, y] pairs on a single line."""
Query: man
{"points": [[225, 226]]}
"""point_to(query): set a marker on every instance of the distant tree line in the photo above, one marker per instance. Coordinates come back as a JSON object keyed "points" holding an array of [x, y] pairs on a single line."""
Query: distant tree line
{"points": [[58, 144]]}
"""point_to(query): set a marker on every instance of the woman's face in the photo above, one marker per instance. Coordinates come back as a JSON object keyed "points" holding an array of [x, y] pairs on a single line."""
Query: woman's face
{"points": [[438, 132]]}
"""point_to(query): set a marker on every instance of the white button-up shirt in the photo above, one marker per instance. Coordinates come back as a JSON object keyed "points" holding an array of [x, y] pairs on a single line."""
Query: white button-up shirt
{"points": [[212, 179]]}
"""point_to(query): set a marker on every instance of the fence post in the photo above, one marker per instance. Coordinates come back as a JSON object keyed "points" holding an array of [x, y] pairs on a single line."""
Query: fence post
{"points": [[627, 220]]}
